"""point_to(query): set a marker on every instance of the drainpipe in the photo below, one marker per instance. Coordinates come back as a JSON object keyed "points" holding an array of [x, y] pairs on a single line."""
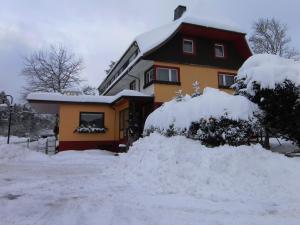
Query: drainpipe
{"points": [[139, 81]]}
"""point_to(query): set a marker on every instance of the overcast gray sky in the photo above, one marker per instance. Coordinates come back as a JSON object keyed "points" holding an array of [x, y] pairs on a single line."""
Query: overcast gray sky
{"points": [[100, 31]]}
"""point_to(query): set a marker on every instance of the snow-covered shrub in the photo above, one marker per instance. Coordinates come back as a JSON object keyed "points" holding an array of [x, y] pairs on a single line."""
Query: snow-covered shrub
{"points": [[221, 131], [179, 96], [196, 87], [273, 83], [189, 117]]}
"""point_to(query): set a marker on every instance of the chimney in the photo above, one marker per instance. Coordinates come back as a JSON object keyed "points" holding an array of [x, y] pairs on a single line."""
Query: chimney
{"points": [[178, 12]]}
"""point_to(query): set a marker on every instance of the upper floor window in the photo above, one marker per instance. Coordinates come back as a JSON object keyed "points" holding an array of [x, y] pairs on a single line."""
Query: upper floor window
{"points": [[188, 46], [149, 76], [226, 80], [219, 51], [132, 85], [167, 74]]}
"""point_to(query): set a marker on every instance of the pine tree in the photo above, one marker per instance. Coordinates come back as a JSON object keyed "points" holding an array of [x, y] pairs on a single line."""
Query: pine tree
{"points": [[280, 109]]}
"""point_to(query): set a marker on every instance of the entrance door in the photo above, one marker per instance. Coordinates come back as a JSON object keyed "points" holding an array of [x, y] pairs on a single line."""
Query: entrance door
{"points": [[123, 124]]}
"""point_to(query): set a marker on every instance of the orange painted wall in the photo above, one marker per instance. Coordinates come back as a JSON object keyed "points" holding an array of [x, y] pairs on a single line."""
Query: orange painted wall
{"points": [[69, 121], [206, 76]]}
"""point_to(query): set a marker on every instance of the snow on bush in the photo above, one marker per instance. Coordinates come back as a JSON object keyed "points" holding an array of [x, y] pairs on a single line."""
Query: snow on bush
{"points": [[273, 83], [268, 70], [230, 114]]}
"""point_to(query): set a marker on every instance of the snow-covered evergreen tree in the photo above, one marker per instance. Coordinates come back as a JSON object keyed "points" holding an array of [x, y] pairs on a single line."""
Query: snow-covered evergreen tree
{"points": [[280, 112], [179, 96], [196, 87]]}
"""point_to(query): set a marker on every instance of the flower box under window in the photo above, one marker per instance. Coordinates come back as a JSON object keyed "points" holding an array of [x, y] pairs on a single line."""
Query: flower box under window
{"points": [[91, 122]]}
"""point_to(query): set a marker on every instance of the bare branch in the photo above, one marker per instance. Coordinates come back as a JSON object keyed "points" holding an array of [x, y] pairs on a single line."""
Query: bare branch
{"points": [[270, 36], [52, 70]]}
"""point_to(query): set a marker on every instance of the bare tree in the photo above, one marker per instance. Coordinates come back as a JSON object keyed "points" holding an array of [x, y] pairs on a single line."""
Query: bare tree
{"points": [[52, 70], [270, 36], [111, 66], [89, 90]]}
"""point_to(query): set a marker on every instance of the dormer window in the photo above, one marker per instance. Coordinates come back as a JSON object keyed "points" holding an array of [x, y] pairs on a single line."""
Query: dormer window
{"points": [[219, 51], [188, 46]]}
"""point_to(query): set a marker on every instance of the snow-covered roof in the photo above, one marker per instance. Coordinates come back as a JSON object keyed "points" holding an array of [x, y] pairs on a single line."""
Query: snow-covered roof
{"points": [[155, 37], [269, 70], [57, 97]]}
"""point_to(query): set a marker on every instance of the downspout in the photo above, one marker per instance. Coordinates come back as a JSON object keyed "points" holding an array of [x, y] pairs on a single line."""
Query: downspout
{"points": [[139, 81], [115, 126]]}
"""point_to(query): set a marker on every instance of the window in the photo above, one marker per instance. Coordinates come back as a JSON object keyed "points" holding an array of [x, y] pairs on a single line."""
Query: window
{"points": [[149, 76], [226, 80], [219, 51], [132, 85], [92, 119], [188, 46], [167, 74]]}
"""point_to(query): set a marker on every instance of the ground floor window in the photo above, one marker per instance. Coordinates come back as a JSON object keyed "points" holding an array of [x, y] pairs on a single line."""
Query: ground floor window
{"points": [[91, 119], [226, 80]]}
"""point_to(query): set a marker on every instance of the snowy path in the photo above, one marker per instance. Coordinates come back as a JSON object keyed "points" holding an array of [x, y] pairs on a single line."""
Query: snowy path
{"points": [[92, 188]]}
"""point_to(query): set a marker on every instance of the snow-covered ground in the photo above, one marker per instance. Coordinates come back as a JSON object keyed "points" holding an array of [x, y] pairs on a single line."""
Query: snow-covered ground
{"points": [[12, 139], [160, 181]]}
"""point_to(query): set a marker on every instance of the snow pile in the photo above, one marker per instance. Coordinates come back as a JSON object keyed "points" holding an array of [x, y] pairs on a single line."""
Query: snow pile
{"points": [[269, 70], [213, 103], [178, 165], [17, 153]]}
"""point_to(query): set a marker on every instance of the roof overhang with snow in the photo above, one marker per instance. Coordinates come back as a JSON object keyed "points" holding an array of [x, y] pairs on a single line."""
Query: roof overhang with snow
{"points": [[49, 102], [148, 42]]}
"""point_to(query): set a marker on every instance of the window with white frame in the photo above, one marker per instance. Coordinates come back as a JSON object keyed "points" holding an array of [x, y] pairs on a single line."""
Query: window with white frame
{"points": [[167, 74], [226, 80], [219, 51], [149, 76], [188, 46]]}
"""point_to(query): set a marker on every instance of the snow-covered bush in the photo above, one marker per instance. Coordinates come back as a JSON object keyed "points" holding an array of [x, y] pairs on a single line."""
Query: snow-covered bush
{"points": [[215, 118], [196, 87], [221, 131], [273, 83], [179, 96]]}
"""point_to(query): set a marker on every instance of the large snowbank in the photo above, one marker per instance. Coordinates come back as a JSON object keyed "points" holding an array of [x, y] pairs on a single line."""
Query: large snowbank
{"points": [[212, 103], [269, 70], [178, 165], [159, 181]]}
